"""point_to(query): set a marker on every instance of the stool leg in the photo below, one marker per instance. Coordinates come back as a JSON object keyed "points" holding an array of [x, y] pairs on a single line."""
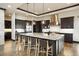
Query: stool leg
{"points": [[18, 45], [36, 48], [29, 45], [47, 47], [23, 43]]}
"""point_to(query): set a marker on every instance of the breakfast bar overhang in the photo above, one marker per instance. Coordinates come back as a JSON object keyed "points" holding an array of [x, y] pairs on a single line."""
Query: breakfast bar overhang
{"points": [[56, 39]]}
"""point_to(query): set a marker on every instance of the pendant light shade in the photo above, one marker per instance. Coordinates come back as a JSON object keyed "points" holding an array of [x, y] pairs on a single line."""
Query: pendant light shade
{"points": [[43, 22]]}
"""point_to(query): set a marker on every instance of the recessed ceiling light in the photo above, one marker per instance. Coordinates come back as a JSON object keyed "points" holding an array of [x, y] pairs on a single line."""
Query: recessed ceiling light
{"points": [[9, 6], [49, 9]]}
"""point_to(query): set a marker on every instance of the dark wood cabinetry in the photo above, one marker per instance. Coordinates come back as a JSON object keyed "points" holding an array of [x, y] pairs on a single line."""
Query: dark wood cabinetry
{"points": [[67, 23], [7, 24], [37, 27], [22, 24], [7, 35], [68, 38], [46, 25]]}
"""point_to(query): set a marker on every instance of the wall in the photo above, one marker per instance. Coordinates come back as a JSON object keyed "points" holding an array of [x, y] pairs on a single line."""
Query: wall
{"points": [[1, 27], [13, 26], [48, 17], [7, 18]]}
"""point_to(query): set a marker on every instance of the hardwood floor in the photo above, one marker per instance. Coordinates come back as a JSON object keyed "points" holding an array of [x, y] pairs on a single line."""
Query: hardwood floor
{"points": [[71, 49], [9, 49]]}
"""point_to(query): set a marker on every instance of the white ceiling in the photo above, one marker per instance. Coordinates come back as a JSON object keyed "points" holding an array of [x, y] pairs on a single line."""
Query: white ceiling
{"points": [[37, 8], [11, 9]]}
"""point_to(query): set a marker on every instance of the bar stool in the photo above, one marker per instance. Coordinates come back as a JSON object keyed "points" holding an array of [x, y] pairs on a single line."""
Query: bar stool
{"points": [[25, 43], [45, 47], [33, 46], [49, 48], [17, 37], [42, 46], [18, 47], [17, 41]]}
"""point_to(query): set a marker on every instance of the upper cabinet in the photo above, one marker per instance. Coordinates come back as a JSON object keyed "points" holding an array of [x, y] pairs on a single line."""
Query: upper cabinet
{"points": [[67, 23], [45, 24], [7, 24], [20, 24], [23, 25]]}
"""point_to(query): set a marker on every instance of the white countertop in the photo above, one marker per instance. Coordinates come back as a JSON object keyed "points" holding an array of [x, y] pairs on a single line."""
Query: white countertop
{"points": [[52, 36], [58, 29]]}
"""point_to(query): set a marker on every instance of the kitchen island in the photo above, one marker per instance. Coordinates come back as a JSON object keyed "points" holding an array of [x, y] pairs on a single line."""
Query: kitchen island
{"points": [[56, 39]]}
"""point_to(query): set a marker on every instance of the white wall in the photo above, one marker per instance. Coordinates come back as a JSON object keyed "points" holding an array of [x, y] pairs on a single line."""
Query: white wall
{"points": [[48, 17], [13, 26], [1, 27]]}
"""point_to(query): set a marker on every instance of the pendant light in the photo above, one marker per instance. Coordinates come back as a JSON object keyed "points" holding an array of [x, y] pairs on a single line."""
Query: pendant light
{"points": [[43, 22], [27, 13], [27, 23], [33, 11]]}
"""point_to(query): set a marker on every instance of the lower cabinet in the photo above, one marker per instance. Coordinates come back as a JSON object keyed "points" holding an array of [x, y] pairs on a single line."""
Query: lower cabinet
{"points": [[68, 38], [7, 35]]}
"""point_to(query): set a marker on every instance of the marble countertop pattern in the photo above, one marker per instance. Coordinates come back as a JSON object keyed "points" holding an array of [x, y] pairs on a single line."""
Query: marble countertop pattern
{"points": [[52, 36]]}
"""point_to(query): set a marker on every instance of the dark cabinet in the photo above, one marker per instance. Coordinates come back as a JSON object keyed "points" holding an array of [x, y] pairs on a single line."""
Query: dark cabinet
{"points": [[23, 24], [7, 35], [37, 27], [68, 38], [7, 24], [67, 23], [46, 25], [20, 24]]}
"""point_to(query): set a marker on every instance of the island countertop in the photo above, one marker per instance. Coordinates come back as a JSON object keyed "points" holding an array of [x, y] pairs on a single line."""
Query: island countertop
{"points": [[52, 36]]}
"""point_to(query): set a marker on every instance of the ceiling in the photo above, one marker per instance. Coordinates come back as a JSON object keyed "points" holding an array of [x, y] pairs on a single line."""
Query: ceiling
{"points": [[39, 8], [34, 8], [10, 7]]}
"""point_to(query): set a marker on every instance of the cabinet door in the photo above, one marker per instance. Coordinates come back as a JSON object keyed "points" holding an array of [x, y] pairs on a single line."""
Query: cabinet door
{"points": [[68, 38], [37, 27], [67, 23], [7, 35]]}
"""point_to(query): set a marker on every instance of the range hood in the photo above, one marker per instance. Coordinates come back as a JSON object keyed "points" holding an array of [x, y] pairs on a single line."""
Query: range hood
{"points": [[54, 20]]}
